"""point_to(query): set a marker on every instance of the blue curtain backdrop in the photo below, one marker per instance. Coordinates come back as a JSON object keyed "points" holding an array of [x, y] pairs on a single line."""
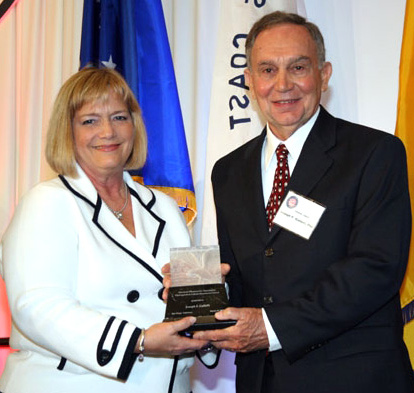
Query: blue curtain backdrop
{"points": [[130, 36]]}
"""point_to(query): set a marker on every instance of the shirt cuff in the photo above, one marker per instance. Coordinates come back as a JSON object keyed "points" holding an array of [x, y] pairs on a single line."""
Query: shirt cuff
{"points": [[274, 343]]}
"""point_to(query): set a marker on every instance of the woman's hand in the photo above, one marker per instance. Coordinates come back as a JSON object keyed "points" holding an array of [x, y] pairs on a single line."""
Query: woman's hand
{"points": [[163, 338], [166, 282], [225, 268]]}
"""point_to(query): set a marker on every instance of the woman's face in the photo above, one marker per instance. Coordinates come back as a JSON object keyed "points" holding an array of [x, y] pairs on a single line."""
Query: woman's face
{"points": [[103, 133]]}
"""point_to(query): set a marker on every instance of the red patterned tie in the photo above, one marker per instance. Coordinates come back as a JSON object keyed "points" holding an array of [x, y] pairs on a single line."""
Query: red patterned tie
{"points": [[280, 183]]}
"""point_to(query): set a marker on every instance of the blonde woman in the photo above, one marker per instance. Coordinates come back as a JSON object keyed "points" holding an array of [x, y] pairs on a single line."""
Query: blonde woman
{"points": [[83, 254]]}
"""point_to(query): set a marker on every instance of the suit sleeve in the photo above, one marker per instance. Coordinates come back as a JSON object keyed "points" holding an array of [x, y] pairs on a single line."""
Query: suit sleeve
{"points": [[366, 278]]}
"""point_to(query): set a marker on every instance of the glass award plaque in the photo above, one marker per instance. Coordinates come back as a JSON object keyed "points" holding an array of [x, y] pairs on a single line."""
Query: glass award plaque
{"points": [[196, 287]]}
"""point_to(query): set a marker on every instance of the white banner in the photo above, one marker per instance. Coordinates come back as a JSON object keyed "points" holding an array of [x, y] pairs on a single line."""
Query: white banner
{"points": [[234, 118]]}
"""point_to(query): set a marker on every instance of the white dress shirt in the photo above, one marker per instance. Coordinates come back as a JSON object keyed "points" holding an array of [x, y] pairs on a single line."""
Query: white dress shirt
{"points": [[294, 145]]}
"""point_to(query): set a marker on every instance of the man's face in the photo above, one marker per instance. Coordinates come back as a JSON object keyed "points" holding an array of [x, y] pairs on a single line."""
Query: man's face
{"points": [[285, 77]]}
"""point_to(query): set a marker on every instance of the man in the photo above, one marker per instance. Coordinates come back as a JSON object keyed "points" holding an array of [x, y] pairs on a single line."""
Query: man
{"points": [[317, 293]]}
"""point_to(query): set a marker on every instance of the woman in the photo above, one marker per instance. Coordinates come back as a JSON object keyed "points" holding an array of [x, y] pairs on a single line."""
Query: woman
{"points": [[83, 254]]}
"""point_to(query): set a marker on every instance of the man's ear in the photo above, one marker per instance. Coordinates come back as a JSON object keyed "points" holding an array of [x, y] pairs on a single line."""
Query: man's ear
{"points": [[326, 73]]}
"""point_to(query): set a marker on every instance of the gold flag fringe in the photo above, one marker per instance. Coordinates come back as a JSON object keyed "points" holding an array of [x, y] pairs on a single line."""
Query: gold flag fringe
{"points": [[185, 199]]}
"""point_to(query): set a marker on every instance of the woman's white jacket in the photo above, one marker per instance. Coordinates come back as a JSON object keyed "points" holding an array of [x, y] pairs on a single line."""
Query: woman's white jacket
{"points": [[81, 287]]}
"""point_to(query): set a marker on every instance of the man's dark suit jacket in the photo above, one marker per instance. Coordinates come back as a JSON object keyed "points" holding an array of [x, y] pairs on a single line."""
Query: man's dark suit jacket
{"points": [[333, 300]]}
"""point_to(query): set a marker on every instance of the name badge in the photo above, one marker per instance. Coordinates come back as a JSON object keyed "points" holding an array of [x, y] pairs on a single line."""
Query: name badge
{"points": [[299, 214]]}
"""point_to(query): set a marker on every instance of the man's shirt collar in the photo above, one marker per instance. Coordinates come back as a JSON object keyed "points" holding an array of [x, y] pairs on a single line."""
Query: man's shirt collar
{"points": [[294, 143]]}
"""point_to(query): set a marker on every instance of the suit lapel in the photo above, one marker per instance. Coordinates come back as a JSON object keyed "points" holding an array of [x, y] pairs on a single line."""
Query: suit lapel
{"points": [[314, 160], [148, 225], [144, 250], [253, 188]]}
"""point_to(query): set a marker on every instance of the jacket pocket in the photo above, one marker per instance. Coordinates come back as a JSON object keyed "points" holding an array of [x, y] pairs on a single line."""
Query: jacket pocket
{"points": [[364, 339]]}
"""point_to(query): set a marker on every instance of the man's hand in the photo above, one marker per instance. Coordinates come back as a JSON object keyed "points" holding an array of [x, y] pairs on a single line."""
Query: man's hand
{"points": [[249, 333]]}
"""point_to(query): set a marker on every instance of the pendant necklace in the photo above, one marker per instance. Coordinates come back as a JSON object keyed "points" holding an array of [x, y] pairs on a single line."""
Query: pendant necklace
{"points": [[119, 213]]}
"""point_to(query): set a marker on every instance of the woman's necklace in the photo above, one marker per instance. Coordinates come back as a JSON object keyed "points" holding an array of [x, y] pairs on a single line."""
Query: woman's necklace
{"points": [[119, 213]]}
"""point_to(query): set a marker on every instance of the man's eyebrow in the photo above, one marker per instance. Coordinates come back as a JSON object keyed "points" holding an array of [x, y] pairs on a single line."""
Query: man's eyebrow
{"points": [[290, 61], [299, 59], [267, 62]]}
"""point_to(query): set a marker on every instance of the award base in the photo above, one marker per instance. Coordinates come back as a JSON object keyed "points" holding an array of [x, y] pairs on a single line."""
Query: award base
{"points": [[200, 301]]}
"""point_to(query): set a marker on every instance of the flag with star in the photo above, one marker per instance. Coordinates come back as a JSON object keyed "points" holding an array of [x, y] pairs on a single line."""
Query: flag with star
{"points": [[131, 37], [404, 130]]}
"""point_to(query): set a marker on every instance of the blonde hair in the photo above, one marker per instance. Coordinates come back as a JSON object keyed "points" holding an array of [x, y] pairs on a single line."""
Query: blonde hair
{"points": [[86, 86]]}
